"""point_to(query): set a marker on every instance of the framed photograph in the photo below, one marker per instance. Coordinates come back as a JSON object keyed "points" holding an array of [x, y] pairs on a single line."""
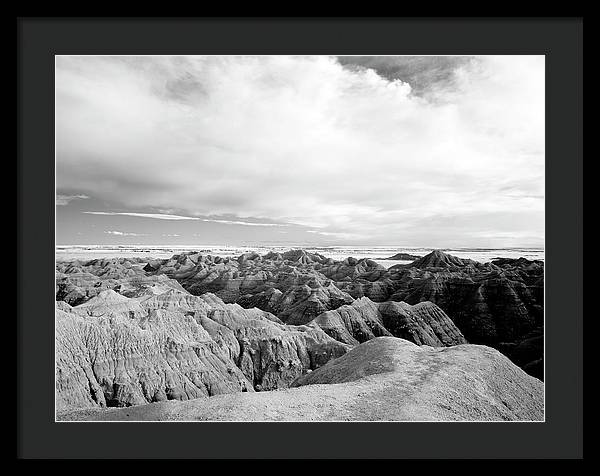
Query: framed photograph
{"points": [[300, 241]]}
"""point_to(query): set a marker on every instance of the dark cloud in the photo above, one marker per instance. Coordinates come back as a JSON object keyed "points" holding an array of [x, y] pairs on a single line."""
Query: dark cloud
{"points": [[425, 74]]}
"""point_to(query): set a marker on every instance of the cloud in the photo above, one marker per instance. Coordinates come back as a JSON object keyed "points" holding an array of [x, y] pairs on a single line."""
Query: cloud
{"points": [[337, 234], [245, 223], [157, 216], [62, 200], [365, 152], [122, 233], [429, 76], [161, 216]]}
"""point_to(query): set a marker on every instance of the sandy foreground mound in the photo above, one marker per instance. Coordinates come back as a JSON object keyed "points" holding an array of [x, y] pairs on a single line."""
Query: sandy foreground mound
{"points": [[383, 379]]}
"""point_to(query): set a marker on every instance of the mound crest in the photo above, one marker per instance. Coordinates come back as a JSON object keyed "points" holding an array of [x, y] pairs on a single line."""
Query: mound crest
{"points": [[439, 259]]}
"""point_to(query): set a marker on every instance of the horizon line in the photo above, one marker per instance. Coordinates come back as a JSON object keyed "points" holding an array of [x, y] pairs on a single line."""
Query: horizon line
{"points": [[125, 245]]}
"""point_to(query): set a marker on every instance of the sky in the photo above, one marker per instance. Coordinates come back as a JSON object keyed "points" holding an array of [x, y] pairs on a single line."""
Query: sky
{"points": [[423, 151]]}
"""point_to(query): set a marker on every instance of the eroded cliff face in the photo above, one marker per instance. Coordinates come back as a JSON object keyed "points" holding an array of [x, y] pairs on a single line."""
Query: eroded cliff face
{"points": [[488, 302], [383, 379], [288, 285], [271, 354], [77, 282], [116, 361], [159, 345], [424, 323], [132, 332], [497, 304], [354, 323]]}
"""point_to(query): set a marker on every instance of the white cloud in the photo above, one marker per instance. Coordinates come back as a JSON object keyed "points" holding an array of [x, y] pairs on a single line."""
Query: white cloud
{"points": [[157, 216], [304, 140], [346, 236], [245, 223], [122, 233], [160, 216]]}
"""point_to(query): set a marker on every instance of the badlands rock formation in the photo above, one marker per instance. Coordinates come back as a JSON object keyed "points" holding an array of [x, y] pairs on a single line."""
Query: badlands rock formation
{"points": [[491, 303], [403, 257], [76, 282], [288, 285], [385, 378], [424, 323], [132, 332], [161, 345], [496, 304], [118, 361], [439, 259]]}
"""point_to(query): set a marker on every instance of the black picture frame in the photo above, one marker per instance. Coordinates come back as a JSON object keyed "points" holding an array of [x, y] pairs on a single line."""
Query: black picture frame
{"points": [[560, 39]]}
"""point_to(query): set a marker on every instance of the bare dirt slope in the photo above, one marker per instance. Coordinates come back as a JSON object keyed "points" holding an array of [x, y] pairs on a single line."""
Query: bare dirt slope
{"points": [[385, 378]]}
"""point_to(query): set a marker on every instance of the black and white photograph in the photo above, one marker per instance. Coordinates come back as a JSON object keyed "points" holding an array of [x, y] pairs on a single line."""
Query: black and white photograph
{"points": [[299, 238]]}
